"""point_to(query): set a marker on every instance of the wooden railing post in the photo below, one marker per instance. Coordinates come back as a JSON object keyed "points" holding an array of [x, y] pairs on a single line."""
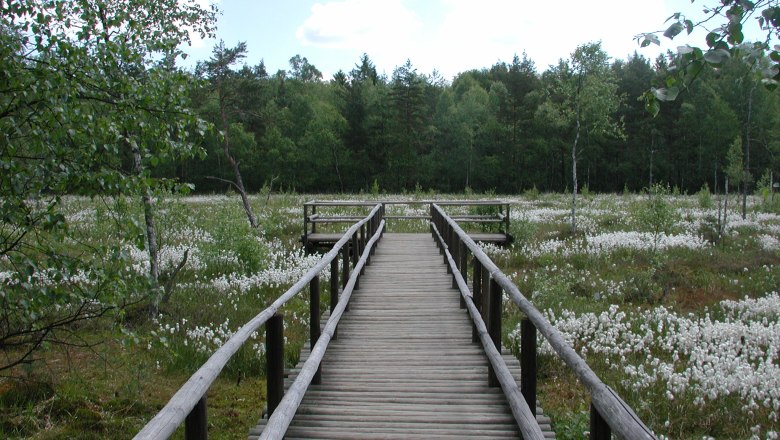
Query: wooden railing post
{"points": [[196, 425], [314, 224], [476, 294], [463, 266], [274, 355], [344, 265], [362, 245], [528, 362], [305, 237], [447, 236], [455, 252], [494, 325], [334, 289], [314, 321], [355, 244], [484, 307], [356, 251], [345, 268], [506, 220], [599, 429]]}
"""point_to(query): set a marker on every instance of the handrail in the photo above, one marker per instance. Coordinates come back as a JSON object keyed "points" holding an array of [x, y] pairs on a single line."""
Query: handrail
{"points": [[281, 418], [404, 202], [525, 418], [311, 218], [614, 411], [184, 400]]}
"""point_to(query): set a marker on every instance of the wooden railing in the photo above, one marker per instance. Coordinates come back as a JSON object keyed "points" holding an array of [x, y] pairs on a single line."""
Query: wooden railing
{"points": [[608, 411], [490, 337], [189, 404], [314, 214], [280, 419]]}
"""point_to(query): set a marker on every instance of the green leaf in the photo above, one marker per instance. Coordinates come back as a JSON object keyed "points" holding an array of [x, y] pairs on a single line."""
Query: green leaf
{"points": [[684, 50], [648, 39], [673, 30], [735, 33], [717, 57], [712, 38], [689, 26]]}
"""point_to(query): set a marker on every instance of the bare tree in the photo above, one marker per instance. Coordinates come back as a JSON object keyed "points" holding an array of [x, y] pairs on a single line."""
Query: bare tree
{"points": [[217, 70]]}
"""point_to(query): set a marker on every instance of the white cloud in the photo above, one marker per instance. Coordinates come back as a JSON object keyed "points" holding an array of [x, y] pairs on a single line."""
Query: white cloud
{"points": [[464, 34], [385, 30]]}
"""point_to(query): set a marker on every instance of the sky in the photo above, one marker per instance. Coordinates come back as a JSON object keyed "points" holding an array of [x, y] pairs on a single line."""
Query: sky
{"points": [[450, 36]]}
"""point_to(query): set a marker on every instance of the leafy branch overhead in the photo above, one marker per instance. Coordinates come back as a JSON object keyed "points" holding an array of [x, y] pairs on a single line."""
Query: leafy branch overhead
{"points": [[725, 25]]}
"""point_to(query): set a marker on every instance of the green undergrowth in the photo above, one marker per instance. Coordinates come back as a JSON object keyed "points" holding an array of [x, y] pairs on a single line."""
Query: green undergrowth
{"points": [[136, 363]]}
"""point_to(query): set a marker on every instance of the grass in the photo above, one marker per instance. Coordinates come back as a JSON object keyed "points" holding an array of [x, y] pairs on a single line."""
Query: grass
{"points": [[113, 388]]}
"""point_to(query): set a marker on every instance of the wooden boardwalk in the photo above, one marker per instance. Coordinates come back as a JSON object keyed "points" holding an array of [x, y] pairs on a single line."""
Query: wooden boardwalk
{"points": [[404, 365]]}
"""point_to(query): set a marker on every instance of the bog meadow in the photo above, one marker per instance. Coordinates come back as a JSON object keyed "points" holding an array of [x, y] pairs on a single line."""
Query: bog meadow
{"points": [[147, 210], [678, 316]]}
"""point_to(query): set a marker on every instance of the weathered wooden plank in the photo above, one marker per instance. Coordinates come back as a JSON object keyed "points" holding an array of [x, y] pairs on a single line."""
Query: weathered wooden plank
{"points": [[404, 365], [618, 414]]}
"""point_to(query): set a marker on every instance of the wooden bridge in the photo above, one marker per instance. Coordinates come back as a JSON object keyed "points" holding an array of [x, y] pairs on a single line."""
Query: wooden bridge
{"points": [[409, 348]]}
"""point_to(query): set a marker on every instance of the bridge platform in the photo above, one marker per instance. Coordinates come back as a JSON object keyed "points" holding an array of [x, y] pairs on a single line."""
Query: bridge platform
{"points": [[404, 365]]}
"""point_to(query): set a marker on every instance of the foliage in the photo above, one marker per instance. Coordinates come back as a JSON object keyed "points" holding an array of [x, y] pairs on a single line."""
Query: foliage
{"points": [[506, 127], [704, 197], [725, 24], [656, 214], [83, 87], [735, 168]]}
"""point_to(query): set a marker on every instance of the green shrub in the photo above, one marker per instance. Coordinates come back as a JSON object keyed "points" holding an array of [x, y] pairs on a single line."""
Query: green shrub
{"points": [[532, 193], [656, 214], [704, 197]]}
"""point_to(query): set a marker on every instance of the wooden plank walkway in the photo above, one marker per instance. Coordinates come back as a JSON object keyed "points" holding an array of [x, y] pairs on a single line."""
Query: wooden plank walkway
{"points": [[403, 365]]}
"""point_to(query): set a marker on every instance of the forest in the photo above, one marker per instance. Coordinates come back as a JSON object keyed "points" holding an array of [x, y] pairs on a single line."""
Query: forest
{"points": [[115, 285], [504, 128]]}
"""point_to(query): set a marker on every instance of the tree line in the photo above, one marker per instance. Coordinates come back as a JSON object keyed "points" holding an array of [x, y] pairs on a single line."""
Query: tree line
{"points": [[506, 128]]}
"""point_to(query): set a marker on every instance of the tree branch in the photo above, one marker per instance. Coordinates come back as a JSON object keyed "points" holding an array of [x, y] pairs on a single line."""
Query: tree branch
{"points": [[224, 181]]}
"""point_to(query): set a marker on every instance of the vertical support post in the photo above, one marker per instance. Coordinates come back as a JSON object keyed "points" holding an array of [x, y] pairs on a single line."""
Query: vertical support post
{"points": [[506, 221], [362, 244], [463, 252], [356, 251], [196, 426], [334, 289], [528, 362], [447, 236], [355, 248], [345, 269], [456, 257], [484, 307], [476, 294], [314, 322], [494, 325], [463, 266], [599, 429], [274, 355], [344, 265], [313, 224], [305, 237]]}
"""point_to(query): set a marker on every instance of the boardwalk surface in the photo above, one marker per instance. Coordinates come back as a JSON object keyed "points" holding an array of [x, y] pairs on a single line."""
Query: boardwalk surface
{"points": [[403, 365]]}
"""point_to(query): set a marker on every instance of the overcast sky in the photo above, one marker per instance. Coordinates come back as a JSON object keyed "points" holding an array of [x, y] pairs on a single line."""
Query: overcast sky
{"points": [[451, 36]]}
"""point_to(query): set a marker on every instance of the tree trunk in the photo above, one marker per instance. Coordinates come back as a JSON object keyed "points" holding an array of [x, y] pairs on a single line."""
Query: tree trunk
{"points": [[338, 172], [574, 177], [725, 207], [239, 183], [151, 230], [746, 179]]}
